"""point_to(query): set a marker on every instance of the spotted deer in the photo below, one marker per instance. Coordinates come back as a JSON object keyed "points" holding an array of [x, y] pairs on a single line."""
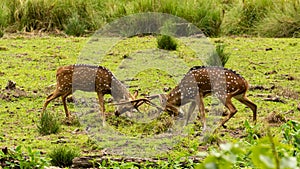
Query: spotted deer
{"points": [[92, 79], [201, 81]]}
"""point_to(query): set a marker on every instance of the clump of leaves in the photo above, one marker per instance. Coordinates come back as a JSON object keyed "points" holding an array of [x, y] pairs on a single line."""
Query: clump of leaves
{"points": [[291, 133], [48, 124], [252, 132], [166, 42], [62, 156], [15, 158]]}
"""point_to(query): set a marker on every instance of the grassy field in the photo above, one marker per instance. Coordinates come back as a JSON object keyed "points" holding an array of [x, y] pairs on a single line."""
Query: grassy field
{"points": [[270, 65]]}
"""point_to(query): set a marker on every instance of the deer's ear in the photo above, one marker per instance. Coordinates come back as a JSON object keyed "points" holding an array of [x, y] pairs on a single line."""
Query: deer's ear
{"points": [[135, 94]]}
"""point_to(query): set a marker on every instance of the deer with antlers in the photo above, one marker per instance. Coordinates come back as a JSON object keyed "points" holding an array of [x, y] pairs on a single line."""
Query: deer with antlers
{"points": [[201, 81], [92, 79]]}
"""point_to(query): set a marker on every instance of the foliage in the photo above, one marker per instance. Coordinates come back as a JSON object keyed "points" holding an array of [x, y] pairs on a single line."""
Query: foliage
{"points": [[75, 26], [264, 153], [244, 15], [166, 42], [62, 156], [256, 17], [15, 158], [291, 134], [48, 124], [219, 57], [282, 21]]}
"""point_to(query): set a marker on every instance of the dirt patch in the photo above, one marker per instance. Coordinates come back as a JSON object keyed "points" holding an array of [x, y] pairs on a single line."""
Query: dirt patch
{"points": [[11, 91], [287, 93], [276, 118], [236, 133]]}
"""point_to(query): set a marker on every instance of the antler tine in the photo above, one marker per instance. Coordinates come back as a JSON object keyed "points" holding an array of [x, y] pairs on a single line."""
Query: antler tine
{"points": [[139, 102]]}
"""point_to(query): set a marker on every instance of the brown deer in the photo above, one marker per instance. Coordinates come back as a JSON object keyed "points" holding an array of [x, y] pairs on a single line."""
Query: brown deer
{"points": [[201, 81], [92, 79]]}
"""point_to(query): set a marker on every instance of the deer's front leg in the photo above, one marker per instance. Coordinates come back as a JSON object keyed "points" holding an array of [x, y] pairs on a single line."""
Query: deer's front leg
{"points": [[190, 111], [102, 107], [200, 102]]}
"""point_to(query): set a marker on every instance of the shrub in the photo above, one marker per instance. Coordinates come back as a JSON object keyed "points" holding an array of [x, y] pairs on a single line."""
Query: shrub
{"points": [[62, 156], [219, 57], [283, 21], [75, 26], [48, 124], [242, 17], [166, 42]]}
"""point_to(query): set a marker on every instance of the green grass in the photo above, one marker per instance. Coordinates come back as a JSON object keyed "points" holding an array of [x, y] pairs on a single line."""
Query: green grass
{"points": [[266, 18], [31, 62]]}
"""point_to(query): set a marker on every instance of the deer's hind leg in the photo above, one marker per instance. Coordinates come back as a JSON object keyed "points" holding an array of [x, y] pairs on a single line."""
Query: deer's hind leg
{"points": [[243, 99], [64, 97], [51, 97], [102, 107]]}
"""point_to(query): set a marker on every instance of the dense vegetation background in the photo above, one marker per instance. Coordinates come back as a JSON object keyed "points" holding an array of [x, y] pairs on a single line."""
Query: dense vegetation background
{"points": [[265, 18]]}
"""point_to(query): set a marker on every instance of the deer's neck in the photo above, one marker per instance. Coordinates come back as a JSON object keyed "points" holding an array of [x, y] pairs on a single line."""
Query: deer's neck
{"points": [[174, 97], [118, 91]]}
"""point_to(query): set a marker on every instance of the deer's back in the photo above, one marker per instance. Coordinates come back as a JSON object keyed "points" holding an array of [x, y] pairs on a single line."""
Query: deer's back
{"points": [[84, 77], [215, 79], [206, 80]]}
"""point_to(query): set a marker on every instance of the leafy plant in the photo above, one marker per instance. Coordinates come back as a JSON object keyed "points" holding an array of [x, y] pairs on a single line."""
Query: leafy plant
{"points": [[15, 158], [252, 132], [48, 124], [225, 158], [291, 133], [62, 156], [166, 42]]}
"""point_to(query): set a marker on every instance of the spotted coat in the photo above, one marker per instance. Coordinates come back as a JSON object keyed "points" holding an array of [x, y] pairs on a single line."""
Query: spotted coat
{"points": [[201, 81]]}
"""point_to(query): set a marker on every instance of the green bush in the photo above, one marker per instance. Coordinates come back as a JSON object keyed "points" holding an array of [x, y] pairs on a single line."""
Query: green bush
{"points": [[166, 42], [75, 26], [243, 16], [62, 156], [283, 21], [220, 57], [48, 124]]}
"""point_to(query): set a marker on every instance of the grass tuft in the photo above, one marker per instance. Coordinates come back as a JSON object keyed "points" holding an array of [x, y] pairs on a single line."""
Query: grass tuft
{"points": [[48, 124], [75, 26], [166, 42], [220, 57], [62, 156]]}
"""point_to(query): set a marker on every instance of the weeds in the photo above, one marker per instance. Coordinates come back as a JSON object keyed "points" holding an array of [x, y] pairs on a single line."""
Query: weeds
{"points": [[220, 57], [166, 42], [48, 124], [16, 158], [62, 156]]}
